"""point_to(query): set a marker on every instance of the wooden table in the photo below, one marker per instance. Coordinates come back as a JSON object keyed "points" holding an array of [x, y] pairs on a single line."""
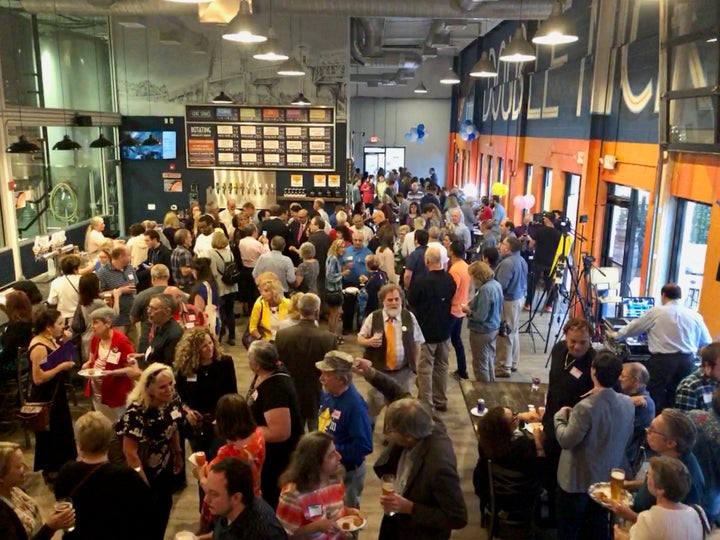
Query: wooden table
{"points": [[514, 395]]}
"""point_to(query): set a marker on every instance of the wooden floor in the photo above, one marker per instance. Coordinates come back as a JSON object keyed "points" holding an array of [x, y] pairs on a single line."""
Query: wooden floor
{"points": [[457, 419]]}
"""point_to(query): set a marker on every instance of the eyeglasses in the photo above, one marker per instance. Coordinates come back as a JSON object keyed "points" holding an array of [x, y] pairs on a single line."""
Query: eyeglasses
{"points": [[651, 429]]}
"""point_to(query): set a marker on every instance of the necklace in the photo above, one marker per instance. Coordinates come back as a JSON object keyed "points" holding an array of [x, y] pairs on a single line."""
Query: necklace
{"points": [[567, 364]]}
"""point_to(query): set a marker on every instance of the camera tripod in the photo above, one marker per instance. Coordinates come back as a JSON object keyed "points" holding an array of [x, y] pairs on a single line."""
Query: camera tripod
{"points": [[529, 327]]}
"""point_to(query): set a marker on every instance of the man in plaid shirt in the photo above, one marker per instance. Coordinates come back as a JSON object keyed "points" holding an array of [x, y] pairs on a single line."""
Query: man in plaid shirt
{"points": [[695, 391]]}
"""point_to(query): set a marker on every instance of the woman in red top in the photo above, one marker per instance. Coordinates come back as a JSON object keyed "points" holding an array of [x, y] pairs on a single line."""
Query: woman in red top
{"points": [[115, 372], [235, 424], [312, 495], [367, 190]]}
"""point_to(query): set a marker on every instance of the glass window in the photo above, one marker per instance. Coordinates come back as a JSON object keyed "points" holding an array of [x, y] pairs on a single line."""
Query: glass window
{"points": [[17, 58], [691, 234], [690, 16], [489, 174], [694, 65], [693, 120], [501, 169], [572, 197], [547, 188]]}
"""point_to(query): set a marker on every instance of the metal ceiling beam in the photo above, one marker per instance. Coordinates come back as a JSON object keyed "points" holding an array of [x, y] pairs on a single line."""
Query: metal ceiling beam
{"points": [[432, 9]]}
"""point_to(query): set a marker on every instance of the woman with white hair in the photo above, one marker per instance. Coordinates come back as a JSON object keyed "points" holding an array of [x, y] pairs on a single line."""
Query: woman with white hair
{"points": [[114, 369], [94, 236], [149, 431]]}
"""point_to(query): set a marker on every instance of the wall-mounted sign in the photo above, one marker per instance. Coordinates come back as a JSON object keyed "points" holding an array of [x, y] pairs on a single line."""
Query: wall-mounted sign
{"points": [[245, 137], [296, 180], [333, 180], [319, 180]]}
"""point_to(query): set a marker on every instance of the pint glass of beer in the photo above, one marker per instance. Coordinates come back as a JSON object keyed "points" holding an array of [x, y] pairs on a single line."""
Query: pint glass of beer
{"points": [[388, 486], [617, 480]]}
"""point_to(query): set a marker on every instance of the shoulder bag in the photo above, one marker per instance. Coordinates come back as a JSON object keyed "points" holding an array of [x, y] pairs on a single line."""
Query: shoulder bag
{"points": [[36, 414], [247, 338]]}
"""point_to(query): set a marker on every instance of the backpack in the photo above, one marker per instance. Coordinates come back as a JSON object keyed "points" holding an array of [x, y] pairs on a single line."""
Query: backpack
{"points": [[230, 273]]}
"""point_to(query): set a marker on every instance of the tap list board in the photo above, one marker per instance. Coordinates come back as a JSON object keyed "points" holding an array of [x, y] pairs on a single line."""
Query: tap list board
{"points": [[260, 137]]}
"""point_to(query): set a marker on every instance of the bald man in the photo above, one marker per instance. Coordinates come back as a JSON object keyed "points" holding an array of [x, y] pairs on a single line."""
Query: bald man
{"points": [[430, 299]]}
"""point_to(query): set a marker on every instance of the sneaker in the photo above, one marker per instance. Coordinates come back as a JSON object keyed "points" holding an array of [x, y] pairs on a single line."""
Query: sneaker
{"points": [[231, 342], [513, 370], [527, 307], [440, 408], [457, 376], [502, 374]]}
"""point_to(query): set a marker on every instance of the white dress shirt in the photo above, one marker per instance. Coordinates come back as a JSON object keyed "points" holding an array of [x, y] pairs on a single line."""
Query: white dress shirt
{"points": [[671, 328], [366, 332]]}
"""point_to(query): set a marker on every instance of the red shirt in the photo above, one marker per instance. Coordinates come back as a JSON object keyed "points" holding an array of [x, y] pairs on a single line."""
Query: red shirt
{"points": [[114, 389]]}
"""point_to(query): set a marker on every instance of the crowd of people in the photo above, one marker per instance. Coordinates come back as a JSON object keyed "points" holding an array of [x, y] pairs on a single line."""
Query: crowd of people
{"points": [[401, 267]]}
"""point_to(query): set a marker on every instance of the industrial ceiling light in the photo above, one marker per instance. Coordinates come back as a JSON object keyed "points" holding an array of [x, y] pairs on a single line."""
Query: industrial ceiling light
{"points": [[518, 50], [291, 68], [557, 29], [222, 98], [66, 144], [301, 100], [450, 77], [101, 142], [270, 50], [23, 146], [483, 68], [242, 27], [420, 89]]}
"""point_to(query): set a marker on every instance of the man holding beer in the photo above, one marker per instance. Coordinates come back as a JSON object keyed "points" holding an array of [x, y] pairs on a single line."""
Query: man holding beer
{"points": [[593, 435]]}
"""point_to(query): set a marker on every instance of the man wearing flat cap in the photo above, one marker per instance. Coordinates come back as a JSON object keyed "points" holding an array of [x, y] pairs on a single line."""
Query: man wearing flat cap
{"points": [[344, 416]]}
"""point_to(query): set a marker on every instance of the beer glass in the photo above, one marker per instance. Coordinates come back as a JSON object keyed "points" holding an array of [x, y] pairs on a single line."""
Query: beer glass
{"points": [[388, 486], [62, 505], [617, 481]]}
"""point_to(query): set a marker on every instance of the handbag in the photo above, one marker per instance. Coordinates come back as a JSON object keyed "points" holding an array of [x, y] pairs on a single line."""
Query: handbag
{"points": [[78, 325], [36, 414], [247, 338]]}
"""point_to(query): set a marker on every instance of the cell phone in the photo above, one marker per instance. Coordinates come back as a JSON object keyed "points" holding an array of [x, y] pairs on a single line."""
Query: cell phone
{"points": [[265, 234]]}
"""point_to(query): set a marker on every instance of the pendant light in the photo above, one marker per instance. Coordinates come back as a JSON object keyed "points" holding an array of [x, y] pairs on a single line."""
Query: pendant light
{"points": [[151, 140], [292, 67], [242, 27], [22, 145], [519, 49], [101, 141], [66, 143], [222, 98], [483, 68], [301, 100], [270, 51], [557, 29], [420, 89], [450, 77]]}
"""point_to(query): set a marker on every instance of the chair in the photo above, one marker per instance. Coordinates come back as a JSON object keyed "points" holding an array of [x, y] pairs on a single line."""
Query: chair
{"points": [[24, 383], [513, 501], [14, 391]]}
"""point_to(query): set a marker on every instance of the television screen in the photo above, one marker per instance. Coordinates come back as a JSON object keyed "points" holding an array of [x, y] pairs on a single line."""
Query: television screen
{"points": [[166, 149]]}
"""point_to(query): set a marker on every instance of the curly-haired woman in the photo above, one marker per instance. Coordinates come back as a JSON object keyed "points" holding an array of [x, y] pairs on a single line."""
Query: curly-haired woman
{"points": [[204, 375]]}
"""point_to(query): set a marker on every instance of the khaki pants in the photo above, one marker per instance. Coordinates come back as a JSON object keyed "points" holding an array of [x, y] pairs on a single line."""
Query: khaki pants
{"points": [[432, 373], [508, 347]]}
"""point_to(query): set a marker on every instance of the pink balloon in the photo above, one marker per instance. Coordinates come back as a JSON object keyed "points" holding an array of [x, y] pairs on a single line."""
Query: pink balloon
{"points": [[529, 200], [519, 201]]}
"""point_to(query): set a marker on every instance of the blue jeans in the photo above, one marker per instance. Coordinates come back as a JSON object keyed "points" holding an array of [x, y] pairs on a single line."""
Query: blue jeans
{"points": [[354, 482], [456, 324]]}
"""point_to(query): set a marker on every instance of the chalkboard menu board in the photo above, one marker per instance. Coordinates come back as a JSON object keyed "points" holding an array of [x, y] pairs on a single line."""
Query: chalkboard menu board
{"points": [[253, 137]]}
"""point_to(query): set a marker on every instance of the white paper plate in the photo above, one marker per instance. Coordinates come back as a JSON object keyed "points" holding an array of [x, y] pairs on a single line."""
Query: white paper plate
{"points": [[97, 373], [475, 412], [352, 527], [600, 493]]}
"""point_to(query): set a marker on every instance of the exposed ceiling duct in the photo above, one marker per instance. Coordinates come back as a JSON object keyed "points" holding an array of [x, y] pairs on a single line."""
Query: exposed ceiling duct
{"points": [[434, 9], [366, 48]]}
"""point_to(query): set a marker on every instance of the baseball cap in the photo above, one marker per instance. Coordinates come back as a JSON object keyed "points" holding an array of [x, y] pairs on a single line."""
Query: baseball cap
{"points": [[336, 361]]}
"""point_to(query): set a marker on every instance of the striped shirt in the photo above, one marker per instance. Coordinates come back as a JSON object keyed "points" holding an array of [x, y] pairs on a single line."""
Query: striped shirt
{"points": [[180, 257], [111, 278], [297, 509], [695, 392]]}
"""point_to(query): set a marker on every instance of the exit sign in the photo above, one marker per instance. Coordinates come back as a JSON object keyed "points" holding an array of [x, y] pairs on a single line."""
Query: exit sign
{"points": [[374, 139]]}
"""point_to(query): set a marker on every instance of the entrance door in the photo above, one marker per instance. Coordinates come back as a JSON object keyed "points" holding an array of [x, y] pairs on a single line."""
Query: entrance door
{"points": [[625, 219]]}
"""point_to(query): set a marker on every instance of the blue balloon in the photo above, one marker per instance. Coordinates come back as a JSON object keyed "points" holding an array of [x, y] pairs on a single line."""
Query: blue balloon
{"points": [[421, 127], [408, 136], [471, 137], [463, 135], [413, 130], [420, 141], [467, 123], [420, 133]]}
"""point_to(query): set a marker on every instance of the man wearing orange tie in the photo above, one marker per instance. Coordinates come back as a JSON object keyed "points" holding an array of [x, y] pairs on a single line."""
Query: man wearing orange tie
{"points": [[392, 339]]}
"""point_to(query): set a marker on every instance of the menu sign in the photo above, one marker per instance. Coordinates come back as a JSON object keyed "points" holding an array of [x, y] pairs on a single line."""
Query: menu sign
{"points": [[247, 137]]}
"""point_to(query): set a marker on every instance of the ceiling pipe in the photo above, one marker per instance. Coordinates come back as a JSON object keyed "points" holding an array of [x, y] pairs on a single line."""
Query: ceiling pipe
{"points": [[433, 9], [366, 48]]}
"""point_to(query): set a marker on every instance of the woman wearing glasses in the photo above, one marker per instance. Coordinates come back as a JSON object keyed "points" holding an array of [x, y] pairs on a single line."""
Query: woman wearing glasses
{"points": [[150, 439]]}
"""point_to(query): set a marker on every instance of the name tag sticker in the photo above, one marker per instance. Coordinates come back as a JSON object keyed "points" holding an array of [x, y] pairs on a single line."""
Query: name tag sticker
{"points": [[315, 510], [113, 358], [336, 414], [575, 372], [130, 277], [175, 414], [192, 378], [255, 395], [707, 398]]}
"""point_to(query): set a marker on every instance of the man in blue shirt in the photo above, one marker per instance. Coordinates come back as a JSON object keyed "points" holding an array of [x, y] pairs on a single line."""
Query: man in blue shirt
{"points": [[358, 275], [511, 273], [344, 416], [633, 383], [415, 263]]}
